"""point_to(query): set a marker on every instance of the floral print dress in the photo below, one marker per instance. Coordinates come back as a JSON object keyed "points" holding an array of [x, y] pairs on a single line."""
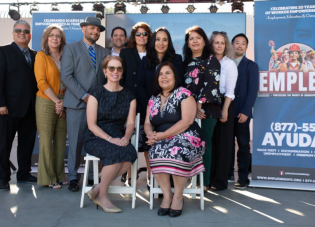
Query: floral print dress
{"points": [[202, 78], [180, 154]]}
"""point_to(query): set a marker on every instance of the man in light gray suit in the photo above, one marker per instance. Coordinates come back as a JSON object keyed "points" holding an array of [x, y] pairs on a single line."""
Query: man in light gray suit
{"points": [[81, 69]]}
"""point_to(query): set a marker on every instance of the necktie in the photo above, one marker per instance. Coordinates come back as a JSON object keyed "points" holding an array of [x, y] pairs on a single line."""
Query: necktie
{"points": [[27, 58], [92, 54]]}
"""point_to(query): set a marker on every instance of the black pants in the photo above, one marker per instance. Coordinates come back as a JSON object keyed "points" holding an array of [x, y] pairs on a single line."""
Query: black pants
{"points": [[223, 143], [26, 128], [242, 134]]}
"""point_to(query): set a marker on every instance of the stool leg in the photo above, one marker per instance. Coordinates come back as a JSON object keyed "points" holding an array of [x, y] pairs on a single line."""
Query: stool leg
{"points": [[95, 171], [202, 201], [85, 180], [151, 191], [134, 183], [194, 185]]}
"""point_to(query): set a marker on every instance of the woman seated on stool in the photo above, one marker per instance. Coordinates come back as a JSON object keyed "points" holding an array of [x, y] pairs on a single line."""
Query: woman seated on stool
{"points": [[108, 109], [177, 141]]}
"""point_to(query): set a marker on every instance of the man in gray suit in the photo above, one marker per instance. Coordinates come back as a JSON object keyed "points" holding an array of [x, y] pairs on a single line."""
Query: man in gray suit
{"points": [[81, 69]]}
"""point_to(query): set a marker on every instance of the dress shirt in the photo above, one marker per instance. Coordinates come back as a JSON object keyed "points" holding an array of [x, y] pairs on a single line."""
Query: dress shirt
{"points": [[27, 52], [238, 60], [113, 52], [142, 54], [88, 48], [228, 78]]}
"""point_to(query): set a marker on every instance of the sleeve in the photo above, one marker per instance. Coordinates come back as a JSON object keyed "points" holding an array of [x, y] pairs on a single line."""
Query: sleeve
{"points": [[231, 78], [122, 55], [141, 85], [40, 71], [210, 93], [67, 74], [96, 93], [178, 62], [183, 94], [131, 96], [252, 90], [3, 72]]}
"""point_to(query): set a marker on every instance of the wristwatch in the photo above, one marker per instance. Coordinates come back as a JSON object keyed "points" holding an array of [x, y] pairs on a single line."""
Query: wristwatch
{"points": [[109, 138]]}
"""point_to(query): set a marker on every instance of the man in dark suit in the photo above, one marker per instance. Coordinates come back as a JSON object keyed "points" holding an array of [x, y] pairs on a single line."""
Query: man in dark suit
{"points": [[18, 89], [245, 95], [81, 69], [118, 39]]}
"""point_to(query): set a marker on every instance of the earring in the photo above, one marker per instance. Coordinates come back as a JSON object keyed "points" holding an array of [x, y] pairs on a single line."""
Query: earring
{"points": [[105, 76]]}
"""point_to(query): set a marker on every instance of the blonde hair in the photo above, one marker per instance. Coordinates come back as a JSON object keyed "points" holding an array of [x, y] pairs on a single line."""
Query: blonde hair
{"points": [[228, 51], [44, 44]]}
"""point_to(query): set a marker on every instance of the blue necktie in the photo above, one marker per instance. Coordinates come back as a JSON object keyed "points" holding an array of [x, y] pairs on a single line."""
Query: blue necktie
{"points": [[92, 54], [27, 58]]}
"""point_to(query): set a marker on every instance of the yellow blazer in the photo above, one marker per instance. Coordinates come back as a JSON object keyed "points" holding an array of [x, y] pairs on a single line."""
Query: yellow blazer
{"points": [[47, 74]]}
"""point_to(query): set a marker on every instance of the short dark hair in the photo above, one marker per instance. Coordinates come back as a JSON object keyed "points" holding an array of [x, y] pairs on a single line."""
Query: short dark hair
{"points": [[157, 89], [240, 35], [115, 28], [152, 57]]}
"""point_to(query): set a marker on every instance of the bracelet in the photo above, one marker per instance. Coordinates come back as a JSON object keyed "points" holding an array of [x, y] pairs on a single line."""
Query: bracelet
{"points": [[109, 138]]}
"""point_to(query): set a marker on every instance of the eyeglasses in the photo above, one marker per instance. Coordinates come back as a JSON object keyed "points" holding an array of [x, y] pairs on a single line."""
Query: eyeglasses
{"points": [[143, 33], [56, 36], [216, 32], [112, 68], [18, 31]]}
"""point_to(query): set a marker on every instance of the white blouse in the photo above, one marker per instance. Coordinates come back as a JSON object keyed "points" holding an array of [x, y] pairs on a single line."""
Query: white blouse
{"points": [[228, 77]]}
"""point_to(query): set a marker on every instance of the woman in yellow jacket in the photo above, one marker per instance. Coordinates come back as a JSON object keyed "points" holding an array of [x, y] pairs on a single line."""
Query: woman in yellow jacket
{"points": [[50, 114]]}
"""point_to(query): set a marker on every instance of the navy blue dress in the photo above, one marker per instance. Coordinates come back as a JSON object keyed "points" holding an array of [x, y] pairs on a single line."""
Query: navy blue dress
{"points": [[112, 113]]}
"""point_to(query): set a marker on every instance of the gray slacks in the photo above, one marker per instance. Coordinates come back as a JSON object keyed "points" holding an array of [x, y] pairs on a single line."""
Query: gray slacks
{"points": [[76, 127]]}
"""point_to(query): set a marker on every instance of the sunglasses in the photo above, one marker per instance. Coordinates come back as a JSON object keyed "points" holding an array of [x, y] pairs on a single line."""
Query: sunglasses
{"points": [[216, 32], [18, 31], [112, 68], [56, 36], [143, 33]]}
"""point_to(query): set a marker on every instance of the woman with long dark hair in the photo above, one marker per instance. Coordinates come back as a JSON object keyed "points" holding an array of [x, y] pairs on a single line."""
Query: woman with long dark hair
{"points": [[160, 50], [202, 78], [138, 44]]}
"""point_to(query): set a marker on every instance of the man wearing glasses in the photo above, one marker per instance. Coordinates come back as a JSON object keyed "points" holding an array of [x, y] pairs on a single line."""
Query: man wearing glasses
{"points": [[18, 89], [81, 69]]}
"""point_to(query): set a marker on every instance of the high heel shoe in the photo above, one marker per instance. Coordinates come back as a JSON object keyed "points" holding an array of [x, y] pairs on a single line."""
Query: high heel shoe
{"points": [[107, 210], [163, 211], [175, 213], [90, 194]]}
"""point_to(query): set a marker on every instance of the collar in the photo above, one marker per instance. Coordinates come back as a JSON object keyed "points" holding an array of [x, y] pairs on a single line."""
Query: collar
{"points": [[113, 52], [23, 49], [239, 59], [88, 46]]}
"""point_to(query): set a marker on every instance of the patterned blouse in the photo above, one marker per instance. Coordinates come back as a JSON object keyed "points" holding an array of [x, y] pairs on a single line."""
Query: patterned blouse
{"points": [[202, 78]]}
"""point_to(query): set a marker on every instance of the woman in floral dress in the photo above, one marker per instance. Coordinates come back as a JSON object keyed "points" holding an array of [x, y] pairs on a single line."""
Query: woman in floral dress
{"points": [[202, 78], [177, 142]]}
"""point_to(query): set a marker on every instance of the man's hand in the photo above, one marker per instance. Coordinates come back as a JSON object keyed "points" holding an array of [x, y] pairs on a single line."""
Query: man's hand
{"points": [[200, 113], [4, 110], [242, 118], [86, 98]]}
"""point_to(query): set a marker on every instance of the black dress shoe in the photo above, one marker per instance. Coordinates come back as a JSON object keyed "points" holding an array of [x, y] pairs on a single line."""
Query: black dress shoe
{"points": [[4, 186], [91, 182], [28, 179], [74, 186], [175, 213], [163, 211], [123, 177]]}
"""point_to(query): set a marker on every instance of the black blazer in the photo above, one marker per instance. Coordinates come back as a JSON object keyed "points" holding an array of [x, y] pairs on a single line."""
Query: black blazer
{"points": [[18, 84], [131, 59], [145, 81], [246, 88]]}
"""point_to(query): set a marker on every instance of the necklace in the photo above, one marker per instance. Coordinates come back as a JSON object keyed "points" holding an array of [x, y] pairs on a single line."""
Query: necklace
{"points": [[166, 97]]}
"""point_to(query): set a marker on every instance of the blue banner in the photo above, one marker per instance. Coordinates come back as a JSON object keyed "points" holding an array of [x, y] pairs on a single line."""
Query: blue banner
{"points": [[284, 113]]}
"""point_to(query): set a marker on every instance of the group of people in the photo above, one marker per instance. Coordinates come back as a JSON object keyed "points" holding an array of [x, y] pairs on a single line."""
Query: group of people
{"points": [[295, 58], [93, 94]]}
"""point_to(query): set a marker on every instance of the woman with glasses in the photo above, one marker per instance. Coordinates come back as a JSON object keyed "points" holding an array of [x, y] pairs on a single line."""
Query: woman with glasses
{"points": [[224, 130], [160, 49], [50, 113], [202, 78], [138, 44], [110, 106]]}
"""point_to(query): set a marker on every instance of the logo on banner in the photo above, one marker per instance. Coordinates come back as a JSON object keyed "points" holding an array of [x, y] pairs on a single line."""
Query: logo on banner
{"points": [[291, 72]]}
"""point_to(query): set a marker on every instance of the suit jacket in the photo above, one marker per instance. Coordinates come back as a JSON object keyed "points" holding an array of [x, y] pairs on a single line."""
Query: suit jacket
{"points": [[145, 80], [78, 73], [18, 84], [246, 87], [132, 60]]}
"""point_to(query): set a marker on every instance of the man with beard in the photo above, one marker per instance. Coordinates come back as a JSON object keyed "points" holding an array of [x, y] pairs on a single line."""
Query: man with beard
{"points": [[81, 69], [118, 39]]}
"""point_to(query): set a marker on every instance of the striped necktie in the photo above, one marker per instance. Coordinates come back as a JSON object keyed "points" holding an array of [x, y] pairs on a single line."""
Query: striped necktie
{"points": [[27, 58], [92, 54]]}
